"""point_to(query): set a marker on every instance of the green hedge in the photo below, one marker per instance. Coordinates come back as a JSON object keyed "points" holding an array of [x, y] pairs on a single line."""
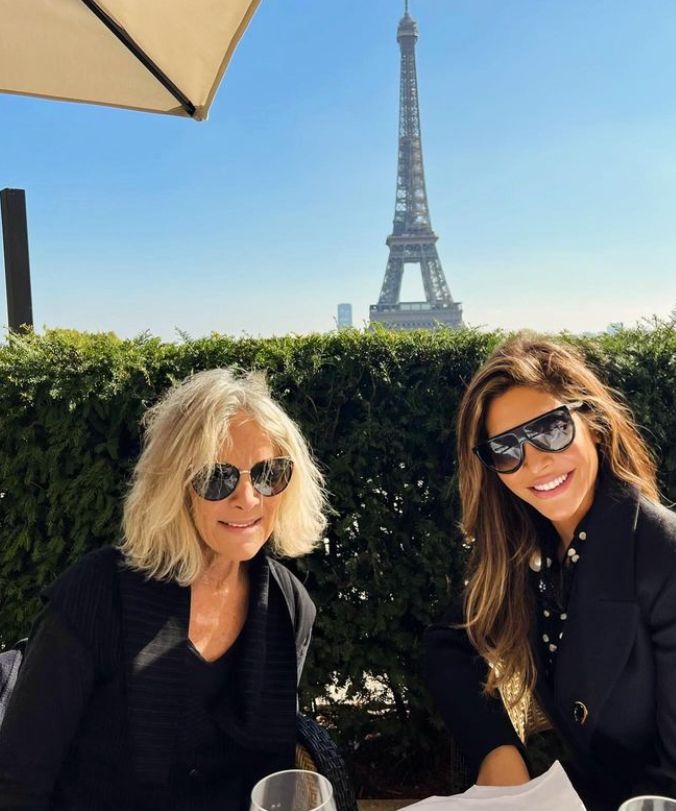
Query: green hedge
{"points": [[378, 409]]}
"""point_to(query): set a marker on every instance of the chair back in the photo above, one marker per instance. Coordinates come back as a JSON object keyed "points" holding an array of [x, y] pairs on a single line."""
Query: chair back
{"points": [[320, 753], [10, 663]]}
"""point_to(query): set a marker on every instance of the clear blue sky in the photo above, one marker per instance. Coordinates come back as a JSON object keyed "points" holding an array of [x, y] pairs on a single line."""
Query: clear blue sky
{"points": [[549, 138]]}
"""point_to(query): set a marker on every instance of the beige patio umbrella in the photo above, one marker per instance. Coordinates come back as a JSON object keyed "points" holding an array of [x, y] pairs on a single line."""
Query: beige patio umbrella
{"points": [[162, 56]]}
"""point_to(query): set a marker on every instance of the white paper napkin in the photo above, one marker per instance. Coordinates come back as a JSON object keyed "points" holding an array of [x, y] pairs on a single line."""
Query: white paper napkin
{"points": [[551, 790]]}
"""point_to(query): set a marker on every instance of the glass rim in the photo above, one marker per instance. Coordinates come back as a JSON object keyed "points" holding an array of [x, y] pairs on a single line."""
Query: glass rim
{"points": [[317, 775], [644, 797]]}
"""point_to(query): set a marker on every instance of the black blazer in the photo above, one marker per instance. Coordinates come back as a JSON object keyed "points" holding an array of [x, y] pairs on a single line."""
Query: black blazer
{"points": [[614, 695], [101, 697]]}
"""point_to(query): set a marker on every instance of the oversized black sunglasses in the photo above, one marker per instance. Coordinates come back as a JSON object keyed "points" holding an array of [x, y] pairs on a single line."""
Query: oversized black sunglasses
{"points": [[269, 477], [553, 431]]}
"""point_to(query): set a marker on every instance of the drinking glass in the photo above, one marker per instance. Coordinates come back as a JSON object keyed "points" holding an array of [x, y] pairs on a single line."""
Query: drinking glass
{"points": [[293, 790], [649, 803]]}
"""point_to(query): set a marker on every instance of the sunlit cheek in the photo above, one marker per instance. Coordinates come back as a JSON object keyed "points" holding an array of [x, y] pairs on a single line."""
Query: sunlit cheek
{"points": [[269, 515], [203, 518]]}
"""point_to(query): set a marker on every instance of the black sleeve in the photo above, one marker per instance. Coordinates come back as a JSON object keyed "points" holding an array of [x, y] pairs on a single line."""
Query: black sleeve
{"points": [[660, 775], [43, 714], [73, 642], [455, 674]]}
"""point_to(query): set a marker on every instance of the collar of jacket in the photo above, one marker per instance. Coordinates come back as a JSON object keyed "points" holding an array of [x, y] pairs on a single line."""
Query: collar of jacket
{"points": [[155, 629], [602, 612]]}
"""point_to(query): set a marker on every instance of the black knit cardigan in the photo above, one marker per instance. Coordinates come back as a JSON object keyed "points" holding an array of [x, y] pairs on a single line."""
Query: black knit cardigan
{"points": [[97, 713]]}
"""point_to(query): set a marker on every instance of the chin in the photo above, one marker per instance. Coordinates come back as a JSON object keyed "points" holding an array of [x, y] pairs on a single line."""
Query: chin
{"points": [[556, 515], [237, 551], [250, 553], [557, 512], [248, 549]]}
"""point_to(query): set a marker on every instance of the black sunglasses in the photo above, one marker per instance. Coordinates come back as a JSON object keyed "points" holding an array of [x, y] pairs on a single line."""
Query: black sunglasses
{"points": [[551, 432], [269, 477]]}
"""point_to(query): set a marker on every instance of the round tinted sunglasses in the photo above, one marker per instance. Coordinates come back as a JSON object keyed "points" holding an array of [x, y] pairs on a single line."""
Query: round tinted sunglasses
{"points": [[553, 431], [269, 477]]}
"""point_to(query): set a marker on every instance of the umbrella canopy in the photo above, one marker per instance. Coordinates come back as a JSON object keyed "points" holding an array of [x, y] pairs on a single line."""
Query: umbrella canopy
{"points": [[162, 56]]}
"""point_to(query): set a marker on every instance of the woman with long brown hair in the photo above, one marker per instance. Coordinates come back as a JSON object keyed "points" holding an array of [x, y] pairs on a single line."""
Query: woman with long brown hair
{"points": [[571, 592]]}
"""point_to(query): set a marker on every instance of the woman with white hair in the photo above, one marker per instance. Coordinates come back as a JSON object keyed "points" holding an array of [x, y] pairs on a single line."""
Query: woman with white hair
{"points": [[162, 673]]}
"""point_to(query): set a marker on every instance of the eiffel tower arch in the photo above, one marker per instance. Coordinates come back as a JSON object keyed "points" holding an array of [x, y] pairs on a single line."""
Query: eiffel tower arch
{"points": [[412, 240]]}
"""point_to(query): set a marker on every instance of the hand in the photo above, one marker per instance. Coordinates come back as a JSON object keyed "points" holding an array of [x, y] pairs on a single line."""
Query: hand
{"points": [[503, 766]]}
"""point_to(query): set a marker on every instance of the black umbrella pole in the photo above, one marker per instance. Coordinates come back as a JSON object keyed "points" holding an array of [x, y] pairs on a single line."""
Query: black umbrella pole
{"points": [[17, 267]]}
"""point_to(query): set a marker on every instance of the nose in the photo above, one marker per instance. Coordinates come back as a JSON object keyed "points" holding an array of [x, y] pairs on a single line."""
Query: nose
{"points": [[535, 460], [245, 495]]}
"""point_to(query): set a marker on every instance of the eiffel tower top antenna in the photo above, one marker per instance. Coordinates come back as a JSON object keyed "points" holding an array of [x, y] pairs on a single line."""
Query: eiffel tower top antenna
{"points": [[405, 6]]}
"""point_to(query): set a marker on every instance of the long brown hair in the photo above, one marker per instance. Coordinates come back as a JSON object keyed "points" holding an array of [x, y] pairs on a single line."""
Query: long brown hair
{"points": [[498, 611]]}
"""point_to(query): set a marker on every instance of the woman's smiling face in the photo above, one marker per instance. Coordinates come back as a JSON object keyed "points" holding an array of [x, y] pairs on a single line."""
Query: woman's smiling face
{"points": [[558, 485], [237, 526]]}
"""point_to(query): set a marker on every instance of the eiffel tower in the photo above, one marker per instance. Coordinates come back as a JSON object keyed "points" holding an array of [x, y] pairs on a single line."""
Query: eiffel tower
{"points": [[412, 240]]}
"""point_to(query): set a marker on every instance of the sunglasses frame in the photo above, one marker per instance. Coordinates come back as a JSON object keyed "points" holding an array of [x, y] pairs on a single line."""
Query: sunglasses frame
{"points": [[519, 433], [219, 467]]}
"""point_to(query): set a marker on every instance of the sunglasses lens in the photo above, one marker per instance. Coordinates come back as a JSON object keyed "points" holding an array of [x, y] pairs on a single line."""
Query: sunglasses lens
{"points": [[269, 478], [502, 453], [272, 476], [219, 485], [552, 432]]}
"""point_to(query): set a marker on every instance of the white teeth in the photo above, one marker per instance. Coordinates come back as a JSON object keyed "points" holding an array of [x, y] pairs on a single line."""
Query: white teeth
{"points": [[552, 484], [239, 526]]}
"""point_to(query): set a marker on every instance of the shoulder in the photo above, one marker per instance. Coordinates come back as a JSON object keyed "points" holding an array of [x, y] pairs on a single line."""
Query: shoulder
{"points": [[86, 593], [294, 591], [657, 516], [288, 582], [650, 525], [90, 573], [656, 529], [655, 555]]}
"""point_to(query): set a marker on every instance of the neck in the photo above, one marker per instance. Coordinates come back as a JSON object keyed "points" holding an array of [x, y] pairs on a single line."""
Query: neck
{"points": [[220, 574]]}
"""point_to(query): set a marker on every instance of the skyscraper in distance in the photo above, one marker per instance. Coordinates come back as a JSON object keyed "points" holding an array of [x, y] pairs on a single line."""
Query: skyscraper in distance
{"points": [[344, 316]]}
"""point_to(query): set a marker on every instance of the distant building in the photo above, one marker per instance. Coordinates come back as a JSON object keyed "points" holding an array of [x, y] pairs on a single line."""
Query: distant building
{"points": [[344, 316]]}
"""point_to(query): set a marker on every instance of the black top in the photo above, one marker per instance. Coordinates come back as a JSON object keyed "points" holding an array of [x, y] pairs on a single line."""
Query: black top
{"points": [[206, 678], [109, 711], [552, 583], [612, 695], [201, 740]]}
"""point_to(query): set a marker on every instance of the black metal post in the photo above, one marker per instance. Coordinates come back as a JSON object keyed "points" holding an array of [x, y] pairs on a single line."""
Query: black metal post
{"points": [[17, 266]]}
